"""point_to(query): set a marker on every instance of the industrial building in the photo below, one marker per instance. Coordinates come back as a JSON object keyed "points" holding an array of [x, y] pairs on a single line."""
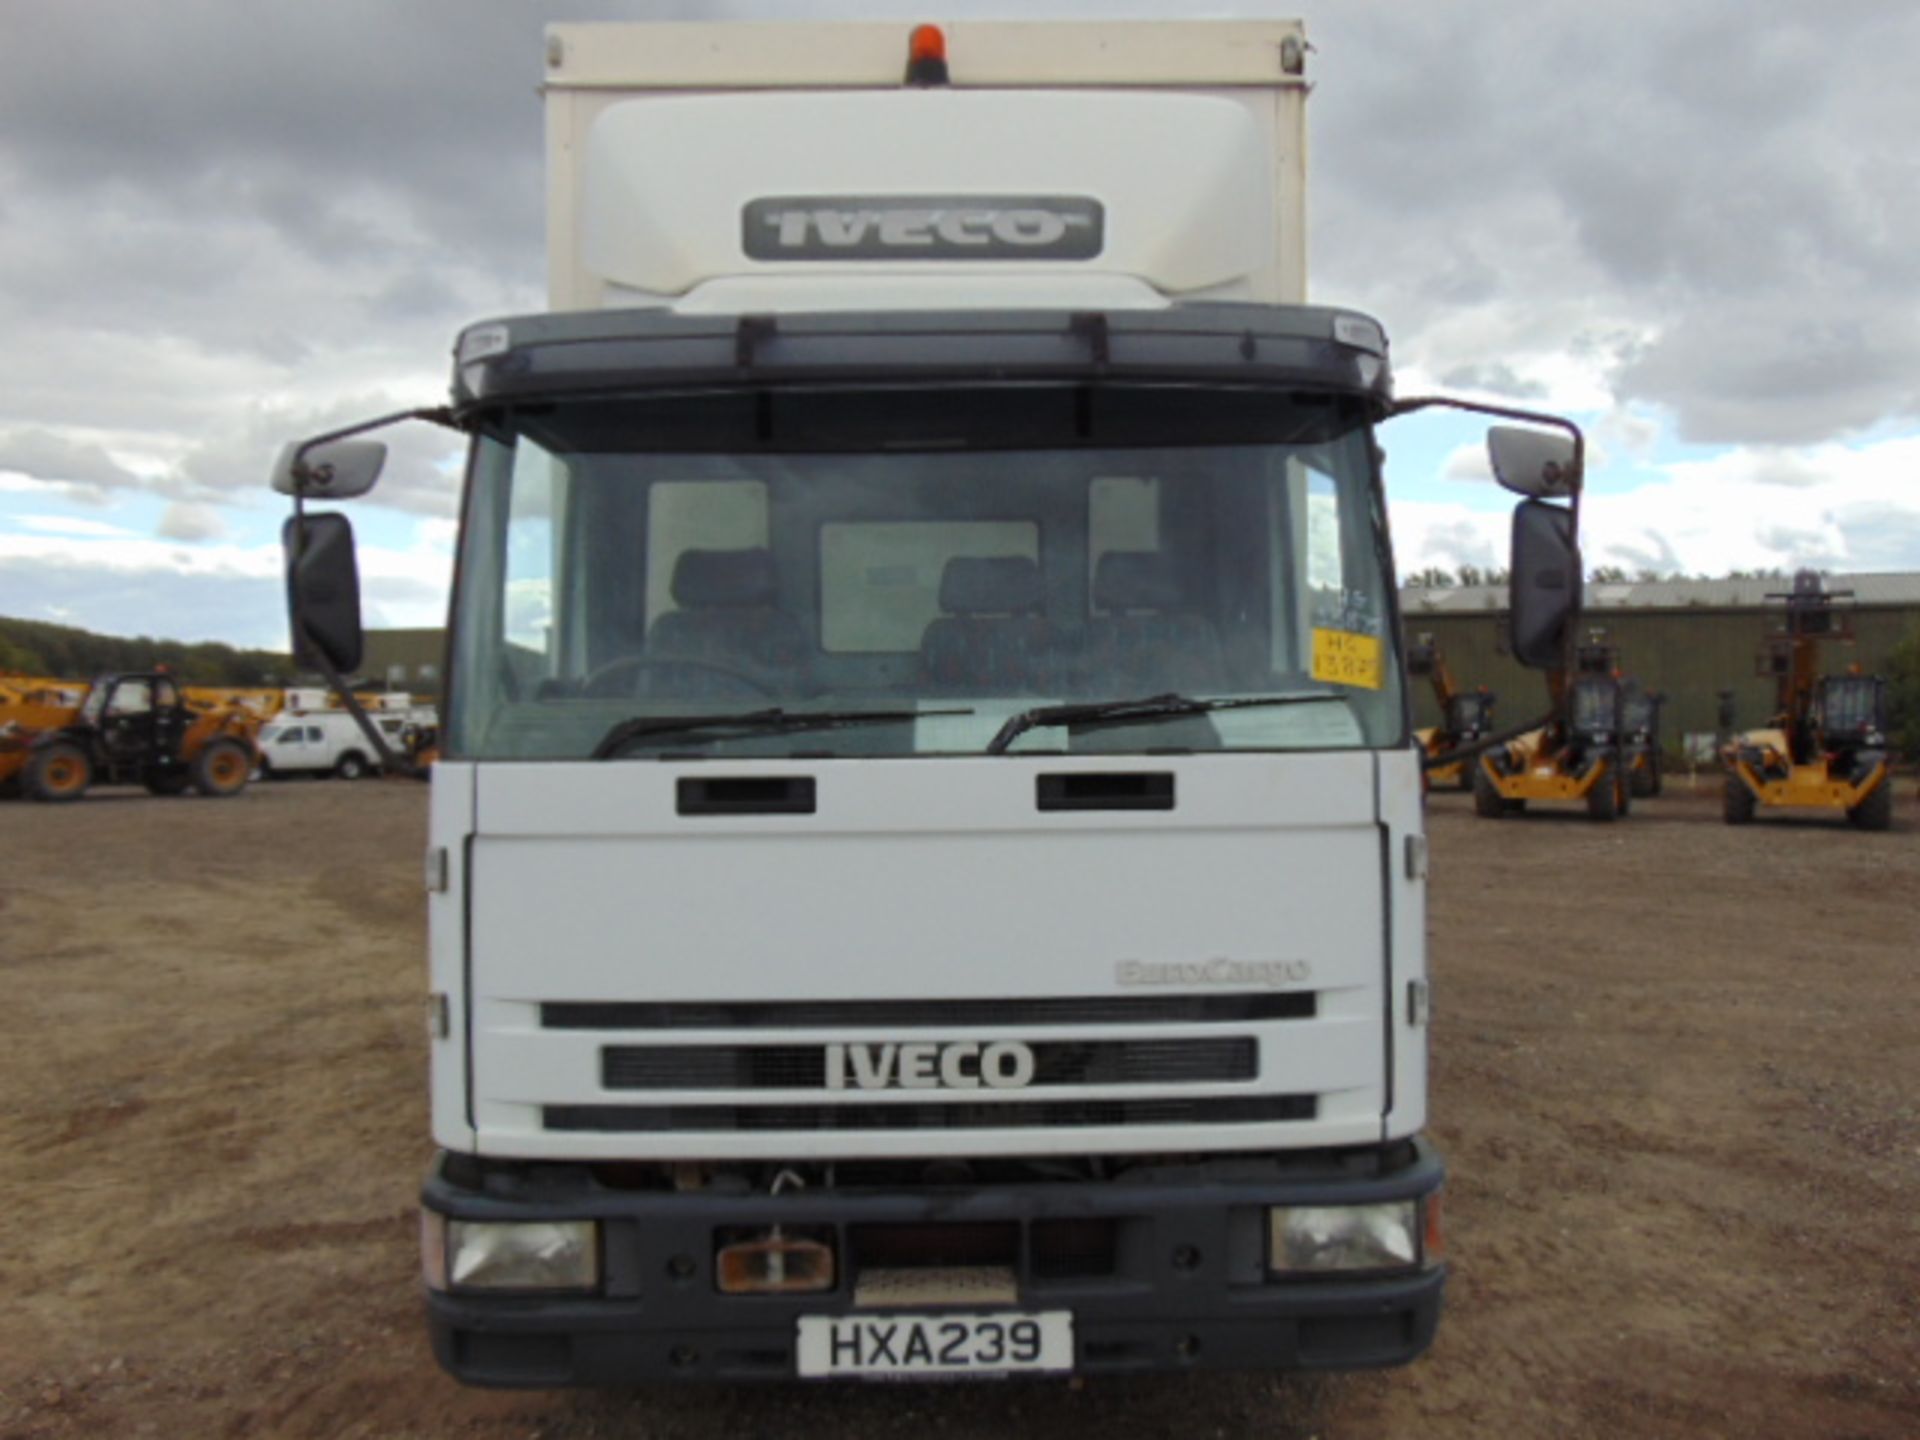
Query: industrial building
{"points": [[1690, 639], [408, 660]]}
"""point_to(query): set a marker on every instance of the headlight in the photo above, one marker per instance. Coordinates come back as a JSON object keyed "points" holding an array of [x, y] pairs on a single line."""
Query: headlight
{"points": [[1320, 1238], [491, 1255]]}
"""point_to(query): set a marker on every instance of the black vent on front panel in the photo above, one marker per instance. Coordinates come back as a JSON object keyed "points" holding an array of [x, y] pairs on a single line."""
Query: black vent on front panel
{"points": [[804, 1067], [1094, 790], [1009, 1115], [1145, 1062], [1224, 1009], [713, 1067], [746, 795]]}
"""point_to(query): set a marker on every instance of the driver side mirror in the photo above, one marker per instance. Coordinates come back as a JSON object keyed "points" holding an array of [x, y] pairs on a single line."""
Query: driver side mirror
{"points": [[339, 470], [323, 592], [1545, 593], [1540, 464]]}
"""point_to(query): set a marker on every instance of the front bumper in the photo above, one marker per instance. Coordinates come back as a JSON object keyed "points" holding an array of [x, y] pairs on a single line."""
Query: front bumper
{"points": [[1174, 1277], [1526, 780], [1777, 782]]}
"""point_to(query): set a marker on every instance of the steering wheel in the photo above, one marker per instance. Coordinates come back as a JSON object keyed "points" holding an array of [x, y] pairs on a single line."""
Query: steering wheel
{"points": [[598, 685]]}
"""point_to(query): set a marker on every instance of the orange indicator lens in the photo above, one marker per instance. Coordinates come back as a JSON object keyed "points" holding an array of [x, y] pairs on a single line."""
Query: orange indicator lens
{"points": [[1433, 1240], [776, 1265]]}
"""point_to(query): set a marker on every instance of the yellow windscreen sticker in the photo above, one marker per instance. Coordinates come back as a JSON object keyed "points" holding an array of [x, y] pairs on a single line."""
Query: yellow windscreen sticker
{"points": [[1345, 658]]}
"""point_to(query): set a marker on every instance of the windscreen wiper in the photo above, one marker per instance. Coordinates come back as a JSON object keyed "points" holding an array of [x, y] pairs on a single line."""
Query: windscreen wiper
{"points": [[1126, 712], [751, 722]]}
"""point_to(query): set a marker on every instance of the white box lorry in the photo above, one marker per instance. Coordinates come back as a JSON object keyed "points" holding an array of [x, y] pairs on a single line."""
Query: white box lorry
{"points": [[927, 868]]}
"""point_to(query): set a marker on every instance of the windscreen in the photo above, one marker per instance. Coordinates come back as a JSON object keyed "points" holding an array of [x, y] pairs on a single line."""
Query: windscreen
{"points": [[1596, 705], [1850, 704], [945, 559], [1467, 713], [1636, 710]]}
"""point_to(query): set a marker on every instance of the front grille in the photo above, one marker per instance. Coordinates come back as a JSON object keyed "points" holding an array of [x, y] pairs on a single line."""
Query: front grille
{"points": [[1007, 1115], [1228, 1008], [804, 1067]]}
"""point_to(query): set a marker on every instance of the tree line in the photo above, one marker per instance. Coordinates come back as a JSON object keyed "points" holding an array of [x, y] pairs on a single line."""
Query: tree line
{"points": [[1437, 577], [34, 647]]}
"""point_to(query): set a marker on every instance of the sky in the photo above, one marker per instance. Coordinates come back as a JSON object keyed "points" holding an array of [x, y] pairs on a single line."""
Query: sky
{"points": [[1693, 228]]}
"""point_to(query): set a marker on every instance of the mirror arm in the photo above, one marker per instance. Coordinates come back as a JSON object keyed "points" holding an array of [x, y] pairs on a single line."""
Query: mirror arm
{"points": [[1532, 417], [1504, 412], [434, 414], [1474, 748], [389, 762]]}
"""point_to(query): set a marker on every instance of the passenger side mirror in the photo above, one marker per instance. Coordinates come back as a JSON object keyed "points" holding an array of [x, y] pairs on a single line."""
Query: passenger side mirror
{"points": [[1545, 593], [1536, 463], [323, 592], [339, 470]]}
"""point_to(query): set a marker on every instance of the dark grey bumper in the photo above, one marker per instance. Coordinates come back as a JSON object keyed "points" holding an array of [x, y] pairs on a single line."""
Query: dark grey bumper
{"points": [[1181, 1286]]}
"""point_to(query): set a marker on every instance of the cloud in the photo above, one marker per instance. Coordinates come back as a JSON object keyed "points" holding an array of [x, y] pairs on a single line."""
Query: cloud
{"points": [[1843, 507], [1467, 462], [71, 525], [421, 474], [60, 460], [235, 593], [1426, 534], [217, 236], [1786, 368], [1715, 220], [247, 611], [1633, 203], [222, 236], [190, 522], [1493, 378], [1625, 431]]}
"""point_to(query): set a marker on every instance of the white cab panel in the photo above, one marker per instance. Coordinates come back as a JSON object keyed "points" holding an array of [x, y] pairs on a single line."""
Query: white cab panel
{"points": [[927, 881], [449, 825], [1403, 818]]}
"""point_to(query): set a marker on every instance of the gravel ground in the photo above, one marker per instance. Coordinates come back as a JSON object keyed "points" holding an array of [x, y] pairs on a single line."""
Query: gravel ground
{"points": [[1675, 1079]]}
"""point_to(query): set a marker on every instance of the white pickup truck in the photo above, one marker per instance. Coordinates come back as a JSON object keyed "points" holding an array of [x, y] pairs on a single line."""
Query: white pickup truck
{"points": [[323, 742]]}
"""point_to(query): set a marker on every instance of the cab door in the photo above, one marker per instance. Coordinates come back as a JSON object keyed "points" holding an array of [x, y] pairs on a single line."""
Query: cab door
{"points": [[170, 721], [127, 723]]}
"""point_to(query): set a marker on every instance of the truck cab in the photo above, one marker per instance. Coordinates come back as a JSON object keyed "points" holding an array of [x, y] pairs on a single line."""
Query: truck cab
{"points": [[927, 870]]}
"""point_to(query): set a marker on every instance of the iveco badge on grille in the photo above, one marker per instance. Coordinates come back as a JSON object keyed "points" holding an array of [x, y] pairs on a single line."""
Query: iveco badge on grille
{"points": [[929, 1065]]}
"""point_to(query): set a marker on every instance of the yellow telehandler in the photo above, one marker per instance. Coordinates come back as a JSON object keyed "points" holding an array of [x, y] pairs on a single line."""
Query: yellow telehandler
{"points": [[1826, 748], [1465, 715], [1577, 756], [58, 739]]}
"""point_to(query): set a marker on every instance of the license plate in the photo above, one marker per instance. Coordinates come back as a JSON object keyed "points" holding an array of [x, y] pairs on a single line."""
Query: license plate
{"points": [[998, 1343]]}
